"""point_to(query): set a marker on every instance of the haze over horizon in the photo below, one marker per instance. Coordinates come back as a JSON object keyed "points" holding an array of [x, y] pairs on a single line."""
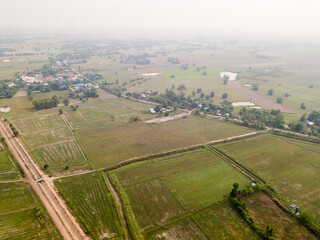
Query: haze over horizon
{"points": [[249, 17]]}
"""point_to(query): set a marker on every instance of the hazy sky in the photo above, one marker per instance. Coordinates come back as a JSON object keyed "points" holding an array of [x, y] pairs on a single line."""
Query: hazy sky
{"points": [[200, 16]]}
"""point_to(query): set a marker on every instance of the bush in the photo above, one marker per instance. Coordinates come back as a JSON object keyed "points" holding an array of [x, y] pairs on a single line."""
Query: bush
{"points": [[225, 96], [15, 133], [134, 119]]}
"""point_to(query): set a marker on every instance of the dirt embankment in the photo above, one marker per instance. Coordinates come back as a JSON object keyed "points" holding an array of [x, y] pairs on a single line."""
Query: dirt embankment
{"points": [[166, 119], [259, 100]]}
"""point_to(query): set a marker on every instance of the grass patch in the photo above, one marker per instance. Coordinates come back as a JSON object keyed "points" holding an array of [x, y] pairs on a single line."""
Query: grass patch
{"points": [[153, 203], [8, 165], [222, 222], [14, 196], [25, 225]]}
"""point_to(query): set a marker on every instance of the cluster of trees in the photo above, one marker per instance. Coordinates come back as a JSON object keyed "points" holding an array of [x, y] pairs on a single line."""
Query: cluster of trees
{"points": [[178, 97], [90, 92], [260, 119], [242, 209], [171, 98], [139, 59], [116, 90], [48, 87], [14, 130], [173, 60], [83, 93], [74, 108], [134, 119], [223, 108], [93, 77], [8, 92], [82, 54], [300, 126], [297, 127], [3, 50], [46, 103], [46, 70], [314, 117]]}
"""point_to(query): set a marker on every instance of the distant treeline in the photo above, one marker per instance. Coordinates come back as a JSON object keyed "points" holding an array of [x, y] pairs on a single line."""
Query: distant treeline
{"points": [[2, 50], [46, 103], [139, 59], [173, 60], [84, 93]]}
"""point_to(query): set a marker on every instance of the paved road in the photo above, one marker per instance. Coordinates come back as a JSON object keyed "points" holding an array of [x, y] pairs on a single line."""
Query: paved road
{"points": [[56, 207]]}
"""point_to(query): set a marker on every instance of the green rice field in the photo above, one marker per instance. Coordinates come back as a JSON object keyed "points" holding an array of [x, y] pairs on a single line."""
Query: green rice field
{"points": [[91, 202], [163, 190], [291, 166]]}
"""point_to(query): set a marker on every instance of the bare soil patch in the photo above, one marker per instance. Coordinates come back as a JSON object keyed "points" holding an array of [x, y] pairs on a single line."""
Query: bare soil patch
{"points": [[21, 93], [166, 119], [262, 101]]}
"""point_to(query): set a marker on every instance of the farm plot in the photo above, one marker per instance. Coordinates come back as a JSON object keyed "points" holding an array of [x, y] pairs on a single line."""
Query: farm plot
{"points": [[185, 229], [92, 204], [178, 184], [24, 225], [21, 107], [14, 196], [221, 221], [59, 94], [21, 217], [267, 213], [291, 166], [108, 145], [8, 170], [74, 117], [60, 154], [118, 109], [47, 136], [153, 203], [39, 123]]}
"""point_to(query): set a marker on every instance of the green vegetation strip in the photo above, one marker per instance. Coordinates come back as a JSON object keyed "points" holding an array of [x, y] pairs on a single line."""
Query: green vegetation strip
{"points": [[134, 229]]}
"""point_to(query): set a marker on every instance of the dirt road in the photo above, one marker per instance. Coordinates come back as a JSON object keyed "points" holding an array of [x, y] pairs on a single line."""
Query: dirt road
{"points": [[56, 207]]}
